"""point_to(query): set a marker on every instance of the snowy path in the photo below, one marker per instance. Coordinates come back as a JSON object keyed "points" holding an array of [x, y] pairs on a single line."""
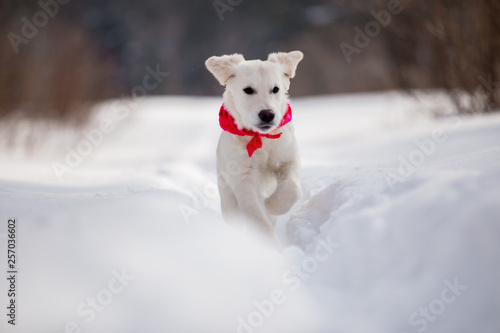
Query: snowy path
{"points": [[397, 231]]}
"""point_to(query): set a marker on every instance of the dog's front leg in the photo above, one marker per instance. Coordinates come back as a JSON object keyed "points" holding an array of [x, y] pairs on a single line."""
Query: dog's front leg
{"points": [[251, 205], [288, 190]]}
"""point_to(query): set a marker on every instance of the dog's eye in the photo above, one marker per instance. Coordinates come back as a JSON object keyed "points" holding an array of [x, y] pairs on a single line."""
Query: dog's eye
{"points": [[275, 90], [248, 91]]}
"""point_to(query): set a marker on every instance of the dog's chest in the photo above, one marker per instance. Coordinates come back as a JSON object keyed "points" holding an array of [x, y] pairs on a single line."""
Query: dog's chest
{"points": [[273, 154], [269, 158]]}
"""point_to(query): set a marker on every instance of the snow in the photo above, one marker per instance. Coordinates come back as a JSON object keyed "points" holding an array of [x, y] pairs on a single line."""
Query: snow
{"points": [[397, 230]]}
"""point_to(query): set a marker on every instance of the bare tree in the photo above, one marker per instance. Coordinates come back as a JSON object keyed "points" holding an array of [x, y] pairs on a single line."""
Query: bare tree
{"points": [[451, 45]]}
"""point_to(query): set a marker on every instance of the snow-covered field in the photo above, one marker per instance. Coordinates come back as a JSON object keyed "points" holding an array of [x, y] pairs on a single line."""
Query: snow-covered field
{"points": [[119, 229]]}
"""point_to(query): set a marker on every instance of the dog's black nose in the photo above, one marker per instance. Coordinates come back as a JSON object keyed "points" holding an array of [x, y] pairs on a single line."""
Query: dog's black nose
{"points": [[266, 115]]}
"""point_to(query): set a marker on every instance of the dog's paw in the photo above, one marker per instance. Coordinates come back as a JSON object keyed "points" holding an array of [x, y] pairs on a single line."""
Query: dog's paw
{"points": [[282, 200]]}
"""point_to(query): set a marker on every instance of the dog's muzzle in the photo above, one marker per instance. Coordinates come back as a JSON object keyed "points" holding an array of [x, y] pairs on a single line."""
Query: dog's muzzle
{"points": [[266, 117]]}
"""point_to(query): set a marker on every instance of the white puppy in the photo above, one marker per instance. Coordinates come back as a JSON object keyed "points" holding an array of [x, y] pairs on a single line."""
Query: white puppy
{"points": [[258, 169]]}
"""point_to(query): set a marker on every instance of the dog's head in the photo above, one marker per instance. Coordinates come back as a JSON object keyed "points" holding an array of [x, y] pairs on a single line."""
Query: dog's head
{"points": [[256, 91]]}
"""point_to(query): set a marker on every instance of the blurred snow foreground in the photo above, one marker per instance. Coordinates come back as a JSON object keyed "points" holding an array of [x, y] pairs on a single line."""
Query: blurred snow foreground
{"points": [[120, 229]]}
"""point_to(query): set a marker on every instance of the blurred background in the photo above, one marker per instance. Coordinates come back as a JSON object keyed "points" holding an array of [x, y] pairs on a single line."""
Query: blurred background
{"points": [[59, 57], [412, 198]]}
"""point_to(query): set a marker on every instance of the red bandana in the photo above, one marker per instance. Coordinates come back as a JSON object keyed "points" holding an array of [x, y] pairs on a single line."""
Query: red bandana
{"points": [[227, 123]]}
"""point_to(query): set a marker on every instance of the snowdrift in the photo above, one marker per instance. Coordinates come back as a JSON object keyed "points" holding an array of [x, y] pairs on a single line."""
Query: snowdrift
{"points": [[119, 226]]}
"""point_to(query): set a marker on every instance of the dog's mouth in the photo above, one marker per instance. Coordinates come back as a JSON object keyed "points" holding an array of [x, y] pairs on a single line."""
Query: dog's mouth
{"points": [[264, 128]]}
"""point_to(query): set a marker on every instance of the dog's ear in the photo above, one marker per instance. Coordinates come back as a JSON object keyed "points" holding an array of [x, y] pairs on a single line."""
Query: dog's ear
{"points": [[289, 61], [223, 67]]}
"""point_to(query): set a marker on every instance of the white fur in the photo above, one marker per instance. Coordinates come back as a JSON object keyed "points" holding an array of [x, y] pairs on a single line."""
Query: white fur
{"points": [[258, 188]]}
